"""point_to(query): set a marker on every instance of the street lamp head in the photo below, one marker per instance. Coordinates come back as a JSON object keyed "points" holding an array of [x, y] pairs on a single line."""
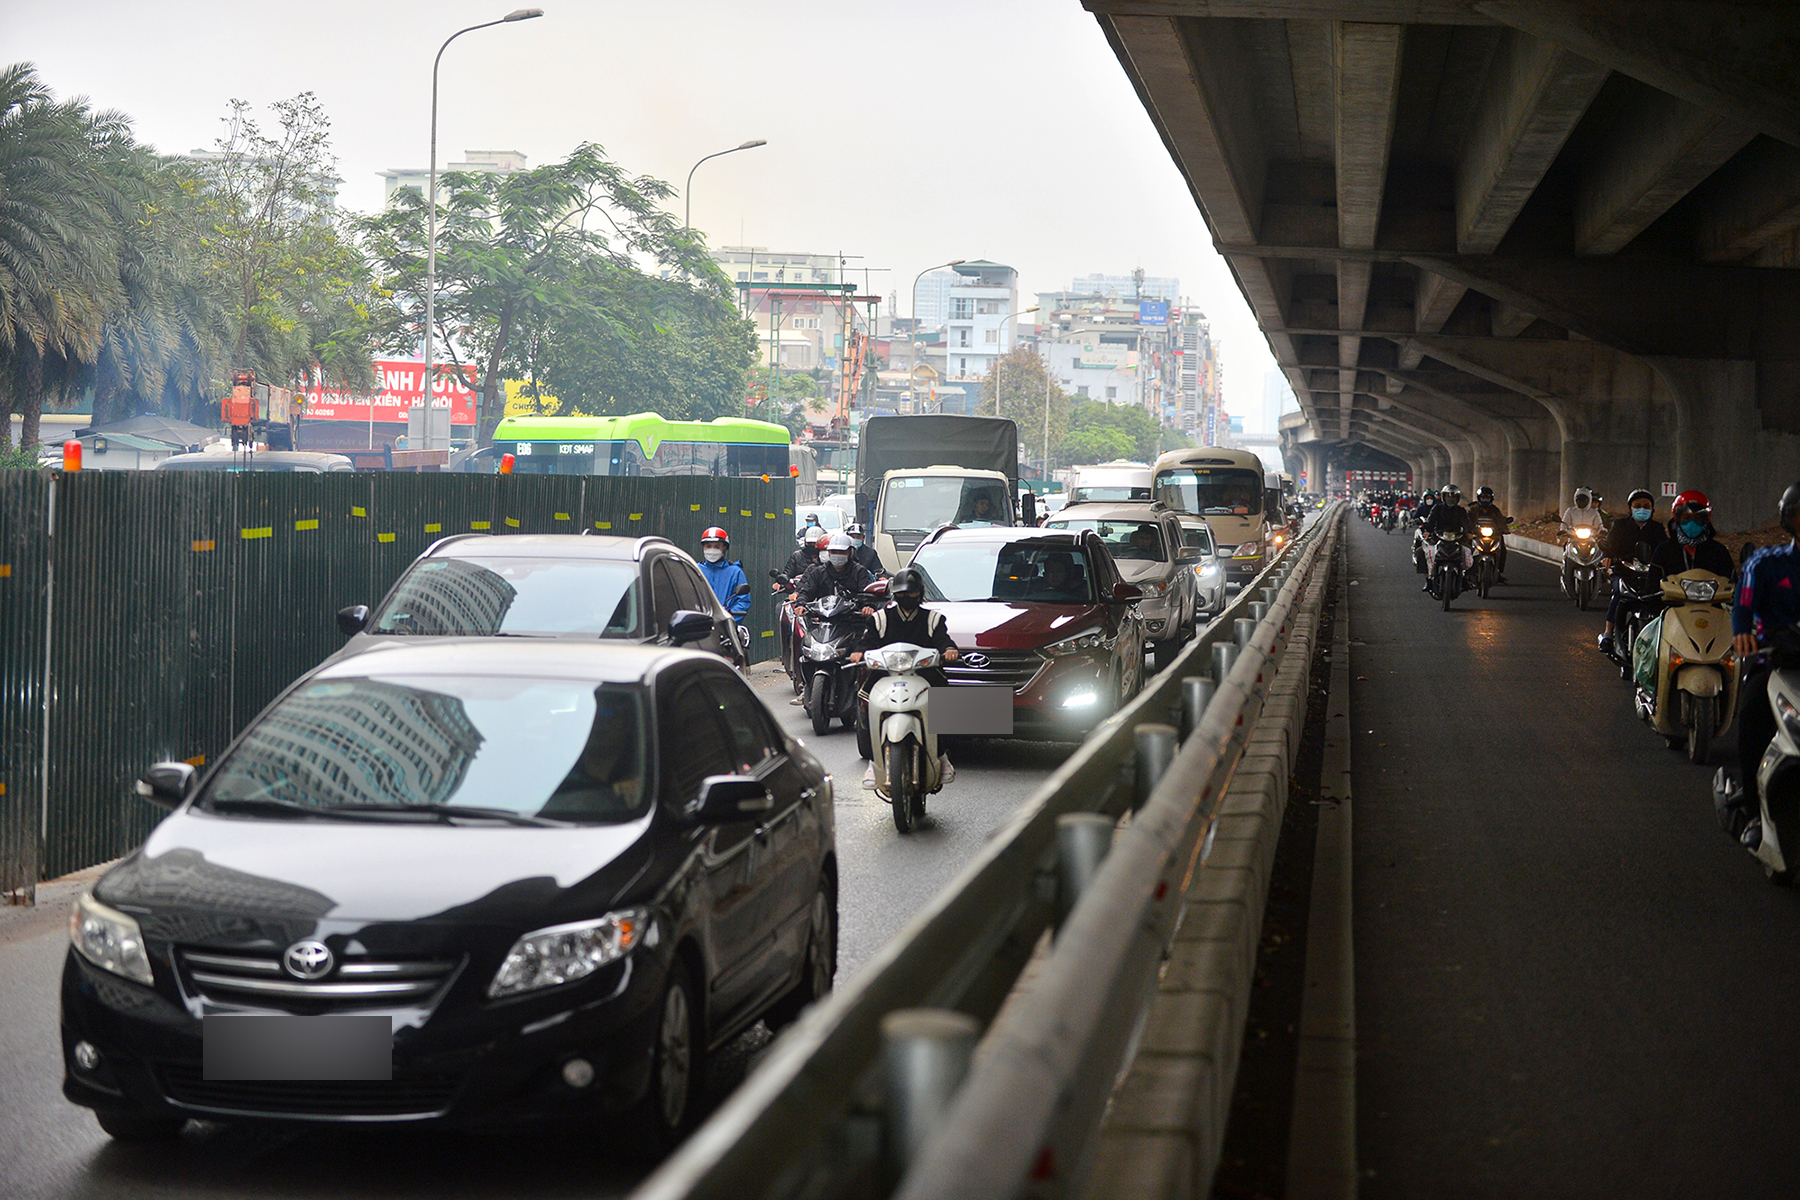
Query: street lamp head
{"points": [[956, 262], [754, 144], [522, 14], [1033, 308]]}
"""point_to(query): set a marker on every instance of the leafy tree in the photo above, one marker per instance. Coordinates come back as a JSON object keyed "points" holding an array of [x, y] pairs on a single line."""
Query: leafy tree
{"points": [[1025, 386], [539, 274]]}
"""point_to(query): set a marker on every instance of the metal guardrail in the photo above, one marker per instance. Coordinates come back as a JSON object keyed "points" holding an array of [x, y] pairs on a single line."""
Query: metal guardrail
{"points": [[808, 1122]]}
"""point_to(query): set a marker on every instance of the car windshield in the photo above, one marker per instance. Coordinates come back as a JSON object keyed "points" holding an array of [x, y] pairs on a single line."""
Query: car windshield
{"points": [[1198, 537], [1139, 540], [1209, 491], [559, 749], [921, 503], [1108, 495], [1043, 572], [480, 597]]}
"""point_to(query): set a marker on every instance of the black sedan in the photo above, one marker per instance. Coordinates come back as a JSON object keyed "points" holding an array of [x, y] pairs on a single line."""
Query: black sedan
{"points": [[459, 880], [552, 585]]}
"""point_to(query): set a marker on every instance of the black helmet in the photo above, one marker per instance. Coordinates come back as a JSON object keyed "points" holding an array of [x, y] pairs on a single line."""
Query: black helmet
{"points": [[908, 582], [1450, 494], [1484, 495], [1790, 508], [1648, 498]]}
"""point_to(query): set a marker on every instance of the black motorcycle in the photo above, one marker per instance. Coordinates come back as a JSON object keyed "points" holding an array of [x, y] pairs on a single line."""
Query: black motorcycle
{"points": [[1448, 576], [1640, 599], [828, 631], [1490, 535]]}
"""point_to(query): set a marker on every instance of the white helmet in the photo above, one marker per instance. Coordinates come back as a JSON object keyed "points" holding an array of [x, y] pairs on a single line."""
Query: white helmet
{"points": [[839, 542]]}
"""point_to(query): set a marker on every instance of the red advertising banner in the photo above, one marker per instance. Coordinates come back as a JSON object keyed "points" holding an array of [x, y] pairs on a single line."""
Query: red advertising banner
{"points": [[402, 388]]}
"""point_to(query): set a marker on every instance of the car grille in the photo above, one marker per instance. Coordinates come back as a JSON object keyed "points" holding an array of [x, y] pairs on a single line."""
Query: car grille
{"points": [[1014, 668], [356, 983], [418, 1097]]}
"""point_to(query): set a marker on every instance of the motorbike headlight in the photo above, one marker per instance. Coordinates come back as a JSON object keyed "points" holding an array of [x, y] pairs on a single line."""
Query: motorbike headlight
{"points": [[1701, 591], [1487, 531], [564, 953], [819, 651], [1093, 639], [1790, 716], [1583, 532], [109, 939], [893, 658]]}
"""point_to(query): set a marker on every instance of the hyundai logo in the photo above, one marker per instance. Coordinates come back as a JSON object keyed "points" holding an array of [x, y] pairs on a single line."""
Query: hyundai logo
{"points": [[976, 660], [308, 960]]}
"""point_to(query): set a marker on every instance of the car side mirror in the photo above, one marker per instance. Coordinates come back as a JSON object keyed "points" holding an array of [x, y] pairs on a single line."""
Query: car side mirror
{"points": [[1126, 593], [1188, 554], [742, 589], [689, 626], [727, 798], [165, 784], [353, 620]]}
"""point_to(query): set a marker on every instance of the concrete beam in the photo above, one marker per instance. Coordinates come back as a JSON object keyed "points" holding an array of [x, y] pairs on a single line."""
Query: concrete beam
{"points": [[1437, 299], [1415, 12], [1510, 322], [1735, 59], [1366, 74], [1535, 93], [1658, 152], [1755, 201]]}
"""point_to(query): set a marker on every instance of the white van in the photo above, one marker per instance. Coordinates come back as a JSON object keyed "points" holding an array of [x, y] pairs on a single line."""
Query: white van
{"points": [[1109, 483]]}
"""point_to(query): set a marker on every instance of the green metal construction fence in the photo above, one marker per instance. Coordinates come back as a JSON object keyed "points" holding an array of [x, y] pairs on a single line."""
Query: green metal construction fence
{"points": [[150, 615]]}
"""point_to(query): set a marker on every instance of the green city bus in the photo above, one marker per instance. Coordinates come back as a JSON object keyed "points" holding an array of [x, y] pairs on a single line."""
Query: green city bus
{"points": [[642, 444]]}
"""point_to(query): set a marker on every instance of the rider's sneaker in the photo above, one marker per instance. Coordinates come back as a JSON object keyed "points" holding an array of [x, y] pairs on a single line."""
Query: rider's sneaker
{"points": [[869, 778], [1606, 644], [946, 772], [797, 702], [1751, 838]]}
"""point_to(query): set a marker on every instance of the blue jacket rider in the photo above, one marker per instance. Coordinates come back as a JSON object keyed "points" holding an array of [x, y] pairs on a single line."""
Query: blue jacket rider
{"points": [[724, 577]]}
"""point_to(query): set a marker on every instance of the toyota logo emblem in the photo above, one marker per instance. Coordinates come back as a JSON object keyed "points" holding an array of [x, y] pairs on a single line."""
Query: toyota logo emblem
{"points": [[976, 660], [308, 960]]}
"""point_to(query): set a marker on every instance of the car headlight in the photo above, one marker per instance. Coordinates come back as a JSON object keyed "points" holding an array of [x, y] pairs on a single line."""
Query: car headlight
{"points": [[1153, 588], [564, 953], [1208, 568], [109, 939], [1248, 550], [1093, 639]]}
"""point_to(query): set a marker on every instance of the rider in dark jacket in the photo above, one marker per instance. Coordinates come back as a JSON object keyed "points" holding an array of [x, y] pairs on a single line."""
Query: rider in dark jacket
{"points": [[1692, 544], [1447, 516], [905, 619], [1484, 509], [839, 569], [1632, 538], [1767, 604]]}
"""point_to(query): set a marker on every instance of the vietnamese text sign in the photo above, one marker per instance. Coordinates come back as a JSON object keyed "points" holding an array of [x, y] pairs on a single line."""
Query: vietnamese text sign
{"points": [[400, 385]]}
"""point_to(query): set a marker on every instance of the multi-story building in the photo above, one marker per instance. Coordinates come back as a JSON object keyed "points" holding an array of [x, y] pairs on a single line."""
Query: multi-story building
{"points": [[977, 330], [932, 308], [1135, 286], [797, 328], [496, 162]]}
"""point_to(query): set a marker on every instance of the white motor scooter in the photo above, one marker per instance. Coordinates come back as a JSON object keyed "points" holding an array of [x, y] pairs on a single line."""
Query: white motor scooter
{"points": [[904, 747]]}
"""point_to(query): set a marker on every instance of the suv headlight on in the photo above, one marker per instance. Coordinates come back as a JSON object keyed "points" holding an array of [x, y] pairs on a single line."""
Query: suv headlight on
{"points": [[109, 939], [564, 953], [1093, 639], [1208, 569]]}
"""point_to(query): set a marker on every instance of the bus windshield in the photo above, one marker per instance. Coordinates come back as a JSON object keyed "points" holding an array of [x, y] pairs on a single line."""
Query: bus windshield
{"points": [[1211, 491]]}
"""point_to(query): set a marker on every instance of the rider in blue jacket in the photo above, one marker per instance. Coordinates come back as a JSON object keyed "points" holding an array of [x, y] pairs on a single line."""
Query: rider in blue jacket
{"points": [[725, 577], [1767, 603]]}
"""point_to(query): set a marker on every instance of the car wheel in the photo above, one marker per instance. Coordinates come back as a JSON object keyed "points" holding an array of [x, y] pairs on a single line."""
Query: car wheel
{"points": [[820, 968], [135, 1127], [660, 1119]]}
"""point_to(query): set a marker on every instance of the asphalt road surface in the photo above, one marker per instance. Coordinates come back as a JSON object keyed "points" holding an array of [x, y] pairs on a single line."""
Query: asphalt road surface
{"points": [[1569, 982], [49, 1148]]}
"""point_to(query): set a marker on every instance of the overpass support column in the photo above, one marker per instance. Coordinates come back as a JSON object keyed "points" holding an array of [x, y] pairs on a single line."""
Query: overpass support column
{"points": [[1532, 479], [1720, 444]]}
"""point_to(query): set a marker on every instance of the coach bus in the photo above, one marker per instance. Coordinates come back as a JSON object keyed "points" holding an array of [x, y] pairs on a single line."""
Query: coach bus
{"points": [[643, 444], [1226, 486]]}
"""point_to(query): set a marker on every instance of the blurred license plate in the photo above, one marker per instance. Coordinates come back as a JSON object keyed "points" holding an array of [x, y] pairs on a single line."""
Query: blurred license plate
{"points": [[972, 710], [281, 1047]]}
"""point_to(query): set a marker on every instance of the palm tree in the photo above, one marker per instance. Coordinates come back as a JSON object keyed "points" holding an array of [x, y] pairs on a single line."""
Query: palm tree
{"points": [[59, 275]]}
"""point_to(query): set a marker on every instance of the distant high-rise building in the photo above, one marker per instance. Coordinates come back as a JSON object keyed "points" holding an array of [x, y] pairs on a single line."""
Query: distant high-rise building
{"points": [[1135, 286], [499, 162], [933, 307], [977, 332]]}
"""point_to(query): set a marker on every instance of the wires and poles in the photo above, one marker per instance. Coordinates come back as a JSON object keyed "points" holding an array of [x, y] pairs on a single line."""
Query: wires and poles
{"points": [[517, 14], [687, 190], [1001, 356]]}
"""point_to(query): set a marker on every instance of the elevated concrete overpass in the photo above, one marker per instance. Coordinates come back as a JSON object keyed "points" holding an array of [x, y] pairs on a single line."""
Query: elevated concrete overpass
{"points": [[1526, 243]]}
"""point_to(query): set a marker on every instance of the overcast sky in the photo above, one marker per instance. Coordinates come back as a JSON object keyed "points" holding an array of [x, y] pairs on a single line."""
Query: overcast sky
{"points": [[909, 133]]}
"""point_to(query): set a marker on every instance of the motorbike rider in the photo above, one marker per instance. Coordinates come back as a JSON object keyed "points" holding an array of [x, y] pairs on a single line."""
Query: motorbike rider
{"points": [[1447, 517], [724, 576], [1767, 604], [1484, 509], [1692, 544], [837, 569], [804, 558], [1627, 541], [1584, 512], [864, 553], [905, 619]]}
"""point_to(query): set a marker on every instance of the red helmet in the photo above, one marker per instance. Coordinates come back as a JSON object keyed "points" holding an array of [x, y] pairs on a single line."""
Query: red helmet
{"points": [[824, 541], [1692, 503], [715, 534]]}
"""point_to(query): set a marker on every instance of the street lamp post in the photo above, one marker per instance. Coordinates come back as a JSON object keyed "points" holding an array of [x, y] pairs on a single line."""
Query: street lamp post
{"points": [[912, 339], [517, 14], [687, 191], [999, 357]]}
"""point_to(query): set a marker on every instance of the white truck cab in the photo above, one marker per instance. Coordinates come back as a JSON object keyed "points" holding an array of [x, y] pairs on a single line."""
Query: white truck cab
{"points": [[913, 501]]}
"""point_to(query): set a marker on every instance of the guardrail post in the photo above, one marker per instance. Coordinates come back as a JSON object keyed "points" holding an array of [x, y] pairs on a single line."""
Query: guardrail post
{"points": [[926, 1056], [1258, 610], [1273, 590], [1082, 840], [1196, 693], [1155, 751], [1242, 630], [1224, 657]]}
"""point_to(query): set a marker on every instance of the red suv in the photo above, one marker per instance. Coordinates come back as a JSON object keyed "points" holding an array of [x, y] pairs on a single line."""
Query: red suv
{"points": [[1044, 612]]}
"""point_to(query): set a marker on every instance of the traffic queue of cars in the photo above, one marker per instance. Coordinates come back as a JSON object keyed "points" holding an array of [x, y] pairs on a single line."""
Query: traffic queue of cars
{"points": [[529, 844]]}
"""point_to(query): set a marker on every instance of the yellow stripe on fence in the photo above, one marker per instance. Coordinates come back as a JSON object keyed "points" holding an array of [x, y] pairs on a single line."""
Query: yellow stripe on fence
{"points": [[302, 526], [434, 528], [384, 537], [481, 524], [252, 534]]}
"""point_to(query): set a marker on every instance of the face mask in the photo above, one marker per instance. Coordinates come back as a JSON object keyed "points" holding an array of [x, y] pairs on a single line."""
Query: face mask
{"points": [[839, 559], [856, 541], [713, 553], [1640, 515], [1693, 528]]}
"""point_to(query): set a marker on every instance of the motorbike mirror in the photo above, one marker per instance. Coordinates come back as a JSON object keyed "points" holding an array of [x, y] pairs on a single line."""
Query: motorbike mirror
{"points": [[686, 626], [1125, 593], [353, 620], [165, 784], [777, 575], [742, 589], [878, 588], [727, 798]]}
